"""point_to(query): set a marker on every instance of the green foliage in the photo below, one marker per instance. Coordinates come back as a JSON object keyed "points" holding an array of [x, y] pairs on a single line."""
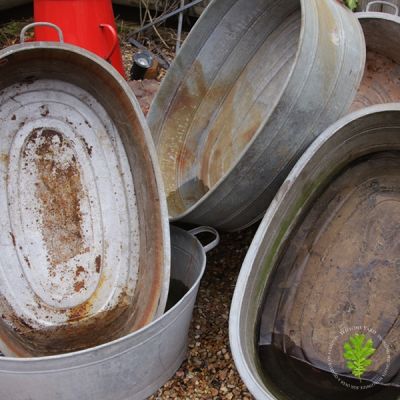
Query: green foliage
{"points": [[9, 32], [357, 352], [352, 4]]}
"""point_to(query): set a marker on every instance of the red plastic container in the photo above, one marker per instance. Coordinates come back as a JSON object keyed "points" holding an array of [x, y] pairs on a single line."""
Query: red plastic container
{"points": [[86, 23]]}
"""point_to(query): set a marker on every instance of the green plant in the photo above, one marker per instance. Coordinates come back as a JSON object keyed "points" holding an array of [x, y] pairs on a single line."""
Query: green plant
{"points": [[357, 352], [352, 4]]}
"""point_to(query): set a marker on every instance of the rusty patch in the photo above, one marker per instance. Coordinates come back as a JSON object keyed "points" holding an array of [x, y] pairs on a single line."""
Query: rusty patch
{"points": [[88, 148], [79, 270], [12, 238], [98, 263], [79, 285], [27, 261], [59, 189], [5, 158]]}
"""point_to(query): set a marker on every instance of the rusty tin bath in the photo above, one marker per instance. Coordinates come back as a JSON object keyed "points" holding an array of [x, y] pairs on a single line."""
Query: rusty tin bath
{"points": [[254, 83], [130, 368], [355, 278], [381, 80], [85, 252], [386, 6]]}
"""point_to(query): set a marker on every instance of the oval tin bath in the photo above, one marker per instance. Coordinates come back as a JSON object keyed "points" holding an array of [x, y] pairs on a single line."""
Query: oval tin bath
{"points": [[324, 267], [85, 244], [254, 83], [130, 368]]}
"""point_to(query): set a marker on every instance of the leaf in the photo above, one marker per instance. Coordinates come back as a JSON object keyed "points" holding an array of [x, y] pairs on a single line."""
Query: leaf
{"points": [[357, 352], [352, 4]]}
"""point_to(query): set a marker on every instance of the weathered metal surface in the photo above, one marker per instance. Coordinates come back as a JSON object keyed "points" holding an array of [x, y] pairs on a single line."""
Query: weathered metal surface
{"points": [[380, 6], [84, 236], [131, 368], [345, 271], [231, 119], [381, 80]]}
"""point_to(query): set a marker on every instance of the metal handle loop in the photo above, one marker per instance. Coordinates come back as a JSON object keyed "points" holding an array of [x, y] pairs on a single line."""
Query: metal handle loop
{"points": [[48, 24], [202, 229], [384, 3]]}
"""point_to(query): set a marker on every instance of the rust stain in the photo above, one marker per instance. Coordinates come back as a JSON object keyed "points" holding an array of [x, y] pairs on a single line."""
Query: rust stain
{"points": [[27, 261], [79, 270], [79, 285], [12, 238], [88, 148], [98, 263], [5, 158], [79, 312], [59, 189]]}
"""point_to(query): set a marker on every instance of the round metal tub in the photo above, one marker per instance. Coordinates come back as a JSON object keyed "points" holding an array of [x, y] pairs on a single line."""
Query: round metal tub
{"points": [[130, 368], [381, 80], [325, 259], [386, 6], [253, 84], [84, 238]]}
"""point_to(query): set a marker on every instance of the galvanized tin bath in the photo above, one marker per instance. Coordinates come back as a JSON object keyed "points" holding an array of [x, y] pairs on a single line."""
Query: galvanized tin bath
{"points": [[85, 241], [380, 83], [130, 368], [361, 134], [252, 86], [386, 6]]}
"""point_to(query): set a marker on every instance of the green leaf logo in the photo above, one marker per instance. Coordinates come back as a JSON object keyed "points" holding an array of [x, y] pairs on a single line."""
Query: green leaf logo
{"points": [[357, 352]]}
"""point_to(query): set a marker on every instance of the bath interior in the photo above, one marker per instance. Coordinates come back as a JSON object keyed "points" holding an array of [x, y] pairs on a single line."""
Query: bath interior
{"points": [[381, 80], [340, 269]]}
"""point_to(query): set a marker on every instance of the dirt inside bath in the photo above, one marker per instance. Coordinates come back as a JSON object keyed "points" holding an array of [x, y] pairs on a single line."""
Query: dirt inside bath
{"points": [[380, 83], [338, 277]]}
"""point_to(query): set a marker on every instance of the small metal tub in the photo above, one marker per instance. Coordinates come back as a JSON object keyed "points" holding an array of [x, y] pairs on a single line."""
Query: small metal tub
{"points": [[325, 259], [84, 226], [254, 83], [381, 80], [130, 368], [386, 6]]}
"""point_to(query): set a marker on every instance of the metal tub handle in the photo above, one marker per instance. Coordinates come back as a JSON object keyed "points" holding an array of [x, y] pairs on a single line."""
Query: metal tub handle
{"points": [[383, 3], [202, 229], [48, 24]]}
